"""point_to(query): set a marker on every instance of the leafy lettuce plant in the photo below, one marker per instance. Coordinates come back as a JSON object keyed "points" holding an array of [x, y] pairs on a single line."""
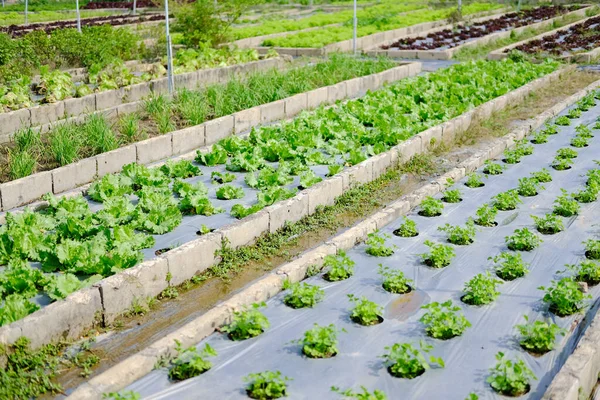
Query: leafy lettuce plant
{"points": [[376, 245], [302, 294], [510, 378], [365, 312], [442, 320], [406, 361], [190, 362], [247, 323], [320, 341], [339, 266], [538, 337]]}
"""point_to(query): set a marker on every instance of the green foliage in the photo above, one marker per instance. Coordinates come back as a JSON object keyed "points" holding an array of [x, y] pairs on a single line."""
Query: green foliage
{"points": [[506, 201], [320, 341], [561, 164], [266, 385], [111, 185], [247, 323], [562, 121], [481, 289], [190, 362], [229, 192], [334, 169], [180, 169], [156, 212], [522, 240], [529, 187], [221, 178], [539, 137], [573, 113], [509, 266], [442, 320], [580, 141], [542, 175], [431, 207], [491, 168], [127, 395], [538, 337], [309, 178], [218, 155], [566, 152], [565, 205], [365, 312], [407, 229], [548, 224], [564, 297], [460, 235], [452, 196], [510, 378], [16, 307], [439, 256], [587, 271], [486, 215], [394, 280], [406, 361], [376, 245], [474, 180], [364, 394], [551, 129], [592, 249], [302, 294], [340, 266]]}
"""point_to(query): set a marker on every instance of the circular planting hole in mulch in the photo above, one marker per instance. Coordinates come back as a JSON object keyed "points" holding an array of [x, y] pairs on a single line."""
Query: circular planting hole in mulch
{"points": [[475, 187], [379, 320], [527, 389], [410, 289], [397, 233], [494, 224], [549, 231], [419, 373], [162, 251], [429, 263], [328, 355], [429, 216], [510, 163], [588, 255], [200, 233]]}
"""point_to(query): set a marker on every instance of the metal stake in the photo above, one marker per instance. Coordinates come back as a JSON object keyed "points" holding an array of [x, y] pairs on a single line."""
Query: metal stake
{"points": [[355, 23], [26, 6], [134, 6], [169, 51], [460, 7], [78, 16]]}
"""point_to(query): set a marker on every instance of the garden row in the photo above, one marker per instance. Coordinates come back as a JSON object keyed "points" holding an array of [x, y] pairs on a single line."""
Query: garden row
{"points": [[448, 314], [159, 212], [98, 5]]}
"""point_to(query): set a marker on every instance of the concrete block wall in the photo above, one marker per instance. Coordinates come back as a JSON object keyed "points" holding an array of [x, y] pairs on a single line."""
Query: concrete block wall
{"points": [[26, 190], [110, 101]]}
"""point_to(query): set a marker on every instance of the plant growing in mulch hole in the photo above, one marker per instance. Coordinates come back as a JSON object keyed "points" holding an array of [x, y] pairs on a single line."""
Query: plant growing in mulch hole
{"points": [[439, 256], [587, 271], [592, 249], [565, 205], [452, 196], [320, 341], [407, 229], [221, 178], [563, 121], [562, 164], [589, 194], [506, 201], [538, 337], [510, 378], [524, 148], [442, 321], [406, 361], [474, 181], [431, 207], [229, 192], [574, 113], [564, 297], [512, 156], [539, 137], [551, 129], [566, 152], [340, 267], [529, 187], [542, 175], [549, 224], [364, 394], [522, 240], [302, 294], [308, 179], [190, 362], [486, 215], [593, 177], [394, 280], [376, 245], [509, 266], [481, 289], [365, 312], [334, 169], [266, 385], [247, 323], [180, 169], [580, 141], [491, 168], [460, 235], [583, 131], [204, 230]]}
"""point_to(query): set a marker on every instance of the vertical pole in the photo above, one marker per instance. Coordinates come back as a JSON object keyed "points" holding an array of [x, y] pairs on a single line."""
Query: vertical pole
{"points": [[460, 7], [26, 6], [355, 24], [519, 6], [134, 6], [169, 50], [2, 3], [78, 16]]}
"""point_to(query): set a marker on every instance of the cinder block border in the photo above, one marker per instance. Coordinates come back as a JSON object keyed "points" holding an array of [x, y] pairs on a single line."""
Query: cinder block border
{"points": [[448, 54], [502, 53], [195, 256], [140, 364], [28, 189]]}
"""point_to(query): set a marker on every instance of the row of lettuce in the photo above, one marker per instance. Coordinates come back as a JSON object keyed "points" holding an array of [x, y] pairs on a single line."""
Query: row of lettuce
{"points": [[71, 246]]}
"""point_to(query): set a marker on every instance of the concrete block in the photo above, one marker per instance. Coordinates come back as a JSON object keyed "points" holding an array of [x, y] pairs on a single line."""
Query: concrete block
{"points": [[141, 282], [129, 108], [154, 149], [316, 97], [159, 86], [188, 139], [295, 270], [356, 175], [246, 119], [273, 111], [13, 121], [64, 319], [336, 92], [73, 175], [431, 138], [262, 290], [113, 161], [407, 149], [83, 105], [193, 257], [564, 386], [108, 99], [585, 364], [287, 211], [380, 164], [324, 193], [400, 72], [414, 68], [47, 113], [295, 104], [25, 190], [353, 87], [370, 82], [137, 92], [218, 129], [386, 76], [186, 81], [241, 233]]}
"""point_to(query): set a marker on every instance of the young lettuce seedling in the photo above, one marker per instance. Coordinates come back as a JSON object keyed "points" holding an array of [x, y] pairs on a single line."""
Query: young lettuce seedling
{"points": [[376, 245], [431, 207], [564, 297], [548, 224], [406, 361], [565, 205], [190, 362], [365, 312], [452, 196], [407, 229], [538, 337], [563, 121], [364, 394], [439, 256], [507, 201], [509, 266], [481, 289], [460, 235], [302, 294], [247, 323], [522, 240], [474, 181], [492, 168], [542, 176], [510, 378], [394, 280], [529, 187], [266, 385], [320, 341], [442, 321], [340, 267], [486, 215]]}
